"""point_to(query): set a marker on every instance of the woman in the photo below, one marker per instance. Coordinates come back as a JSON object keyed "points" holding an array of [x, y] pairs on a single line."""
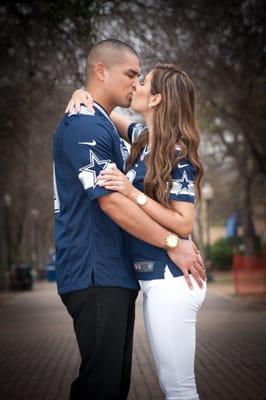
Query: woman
{"points": [[163, 173]]}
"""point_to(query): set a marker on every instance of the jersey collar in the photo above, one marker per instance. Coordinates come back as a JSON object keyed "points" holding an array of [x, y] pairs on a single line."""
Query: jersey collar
{"points": [[101, 109], [104, 112]]}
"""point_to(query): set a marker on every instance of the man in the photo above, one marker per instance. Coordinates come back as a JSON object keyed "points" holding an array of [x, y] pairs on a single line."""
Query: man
{"points": [[94, 274]]}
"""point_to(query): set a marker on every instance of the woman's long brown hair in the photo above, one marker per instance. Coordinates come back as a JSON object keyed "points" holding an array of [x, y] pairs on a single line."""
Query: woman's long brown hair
{"points": [[174, 123]]}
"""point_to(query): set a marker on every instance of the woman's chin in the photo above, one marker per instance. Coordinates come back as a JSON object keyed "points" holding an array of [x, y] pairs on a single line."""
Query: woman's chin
{"points": [[133, 106]]}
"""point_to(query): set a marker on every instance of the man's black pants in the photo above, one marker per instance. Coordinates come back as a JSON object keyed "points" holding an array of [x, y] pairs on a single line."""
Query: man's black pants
{"points": [[103, 319]]}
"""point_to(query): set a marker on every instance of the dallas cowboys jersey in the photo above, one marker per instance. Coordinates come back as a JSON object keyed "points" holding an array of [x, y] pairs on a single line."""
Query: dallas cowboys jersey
{"points": [[150, 261], [90, 248]]}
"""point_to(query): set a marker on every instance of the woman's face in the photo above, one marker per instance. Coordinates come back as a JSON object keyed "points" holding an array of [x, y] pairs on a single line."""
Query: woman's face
{"points": [[142, 94]]}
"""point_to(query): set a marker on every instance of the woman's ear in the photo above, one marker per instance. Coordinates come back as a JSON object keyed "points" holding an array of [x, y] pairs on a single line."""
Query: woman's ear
{"points": [[155, 100]]}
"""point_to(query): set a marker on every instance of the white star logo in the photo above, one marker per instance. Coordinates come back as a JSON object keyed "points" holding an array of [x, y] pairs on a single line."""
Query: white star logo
{"points": [[183, 186], [87, 173]]}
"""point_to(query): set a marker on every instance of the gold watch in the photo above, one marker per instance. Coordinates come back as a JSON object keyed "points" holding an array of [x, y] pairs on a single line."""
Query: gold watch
{"points": [[141, 199], [171, 241]]}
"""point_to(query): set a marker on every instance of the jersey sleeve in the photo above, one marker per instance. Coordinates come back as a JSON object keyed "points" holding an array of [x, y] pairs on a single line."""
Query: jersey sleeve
{"points": [[183, 182], [134, 131], [89, 150]]}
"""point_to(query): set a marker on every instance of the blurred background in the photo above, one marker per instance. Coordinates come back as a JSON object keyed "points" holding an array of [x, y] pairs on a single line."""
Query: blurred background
{"points": [[220, 44]]}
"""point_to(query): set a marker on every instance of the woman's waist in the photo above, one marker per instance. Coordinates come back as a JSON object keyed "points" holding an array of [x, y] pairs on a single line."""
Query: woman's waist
{"points": [[148, 269]]}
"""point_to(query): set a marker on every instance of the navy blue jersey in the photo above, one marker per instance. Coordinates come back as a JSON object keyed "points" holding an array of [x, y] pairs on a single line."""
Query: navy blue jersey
{"points": [[150, 261], [90, 248]]}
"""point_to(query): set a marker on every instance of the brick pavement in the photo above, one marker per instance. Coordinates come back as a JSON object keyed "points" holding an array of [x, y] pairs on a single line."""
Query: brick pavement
{"points": [[39, 357]]}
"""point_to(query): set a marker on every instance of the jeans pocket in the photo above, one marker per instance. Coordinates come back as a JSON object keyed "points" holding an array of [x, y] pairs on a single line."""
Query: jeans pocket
{"points": [[74, 302], [199, 296]]}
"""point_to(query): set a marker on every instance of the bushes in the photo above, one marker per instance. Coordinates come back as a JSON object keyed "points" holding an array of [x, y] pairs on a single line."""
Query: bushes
{"points": [[221, 253]]}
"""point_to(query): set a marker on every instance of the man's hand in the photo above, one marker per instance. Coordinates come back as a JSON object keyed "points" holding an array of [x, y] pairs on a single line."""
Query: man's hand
{"points": [[188, 259]]}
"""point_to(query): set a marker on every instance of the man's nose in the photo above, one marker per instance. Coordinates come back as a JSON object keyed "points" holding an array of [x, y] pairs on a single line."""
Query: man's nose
{"points": [[134, 83]]}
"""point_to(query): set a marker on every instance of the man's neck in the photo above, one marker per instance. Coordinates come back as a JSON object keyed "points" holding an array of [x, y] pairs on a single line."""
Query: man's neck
{"points": [[100, 98]]}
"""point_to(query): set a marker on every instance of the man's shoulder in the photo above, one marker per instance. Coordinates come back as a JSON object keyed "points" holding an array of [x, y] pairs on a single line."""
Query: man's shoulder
{"points": [[85, 124], [89, 120]]}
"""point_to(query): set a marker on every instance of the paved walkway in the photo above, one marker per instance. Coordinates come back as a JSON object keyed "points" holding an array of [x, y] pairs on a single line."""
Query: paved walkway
{"points": [[39, 358]]}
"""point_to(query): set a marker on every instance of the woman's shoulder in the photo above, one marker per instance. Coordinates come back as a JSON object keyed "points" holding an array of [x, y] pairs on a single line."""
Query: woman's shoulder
{"points": [[183, 164]]}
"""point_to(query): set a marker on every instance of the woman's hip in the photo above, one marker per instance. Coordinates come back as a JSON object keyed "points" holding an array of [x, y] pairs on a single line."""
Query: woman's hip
{"points": [[173, 291]]}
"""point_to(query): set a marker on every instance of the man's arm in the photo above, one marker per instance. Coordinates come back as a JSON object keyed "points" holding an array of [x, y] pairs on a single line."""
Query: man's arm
{"points": [[133, 220], [179, 218]]}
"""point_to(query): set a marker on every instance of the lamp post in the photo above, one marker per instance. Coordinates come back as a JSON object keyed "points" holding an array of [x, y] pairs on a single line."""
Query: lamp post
{"points": [[7, 205], [35, 239], [6, 257], [207, 195]]}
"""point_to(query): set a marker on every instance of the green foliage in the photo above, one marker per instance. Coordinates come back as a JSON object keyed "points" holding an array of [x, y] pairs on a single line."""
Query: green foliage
{"points": [[76, 18], [222, 251], [81, 14], [221, 254]]}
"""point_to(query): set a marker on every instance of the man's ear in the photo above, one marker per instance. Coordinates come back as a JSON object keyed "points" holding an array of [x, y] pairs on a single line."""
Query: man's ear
{"points": [[100, 70], [155, 100]]}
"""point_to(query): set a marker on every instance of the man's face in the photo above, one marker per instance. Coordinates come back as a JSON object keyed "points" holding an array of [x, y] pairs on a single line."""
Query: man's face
{"points": [[120, 79]]}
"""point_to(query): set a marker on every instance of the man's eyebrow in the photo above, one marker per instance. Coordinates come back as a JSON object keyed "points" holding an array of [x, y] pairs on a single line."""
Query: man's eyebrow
{"points": [[133, 71]]}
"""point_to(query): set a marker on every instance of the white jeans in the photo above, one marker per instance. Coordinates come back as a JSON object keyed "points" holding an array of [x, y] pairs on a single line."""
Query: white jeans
{"points": [[170, 312]]}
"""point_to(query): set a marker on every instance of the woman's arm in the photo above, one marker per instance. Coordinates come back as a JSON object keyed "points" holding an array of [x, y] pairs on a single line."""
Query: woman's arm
{"points": [[82, 96], [178, 219]]}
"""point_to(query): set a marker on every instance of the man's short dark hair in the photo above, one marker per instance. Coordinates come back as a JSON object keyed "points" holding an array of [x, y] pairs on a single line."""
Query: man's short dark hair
{"points": [[115, 44], [105, 51]]}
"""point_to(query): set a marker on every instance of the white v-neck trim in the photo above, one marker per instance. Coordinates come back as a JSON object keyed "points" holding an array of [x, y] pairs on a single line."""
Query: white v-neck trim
{"points": [[144, 152], [102, 110]]}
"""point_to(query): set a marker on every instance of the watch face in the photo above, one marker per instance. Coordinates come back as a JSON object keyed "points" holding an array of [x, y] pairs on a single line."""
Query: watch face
{"points": [[142, 199], [172, 241]]}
